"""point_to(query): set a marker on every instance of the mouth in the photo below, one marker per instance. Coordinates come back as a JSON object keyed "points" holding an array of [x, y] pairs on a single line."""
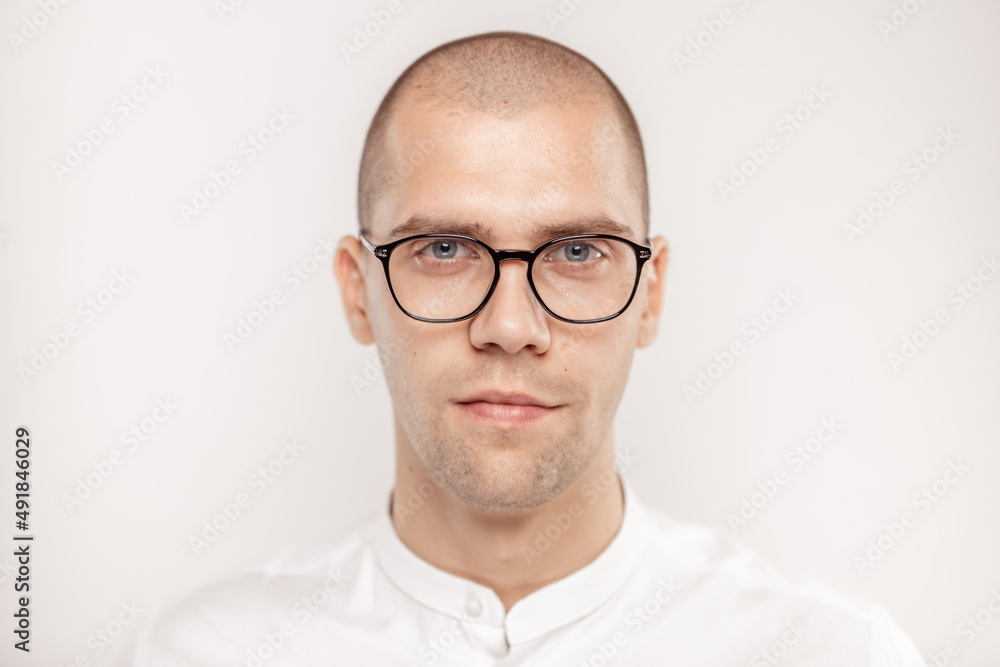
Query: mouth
{"points": [[505, 408]]}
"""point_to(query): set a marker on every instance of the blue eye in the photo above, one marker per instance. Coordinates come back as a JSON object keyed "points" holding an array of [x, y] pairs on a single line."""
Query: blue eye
{"points": [[577, 252], [444, 249]]}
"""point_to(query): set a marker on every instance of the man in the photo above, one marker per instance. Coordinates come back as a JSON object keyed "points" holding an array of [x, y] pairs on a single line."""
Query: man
{"points": [[504, 259]]}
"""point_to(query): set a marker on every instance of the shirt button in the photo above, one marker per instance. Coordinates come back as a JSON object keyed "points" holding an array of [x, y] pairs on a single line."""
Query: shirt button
{"points": [[473, 606]]}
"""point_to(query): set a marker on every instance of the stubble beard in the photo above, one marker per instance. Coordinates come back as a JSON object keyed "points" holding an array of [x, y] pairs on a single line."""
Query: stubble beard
{"points": [[503, 470]]}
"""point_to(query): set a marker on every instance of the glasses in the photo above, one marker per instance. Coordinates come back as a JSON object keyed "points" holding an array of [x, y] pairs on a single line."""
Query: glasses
{"points": [[449, 278]]}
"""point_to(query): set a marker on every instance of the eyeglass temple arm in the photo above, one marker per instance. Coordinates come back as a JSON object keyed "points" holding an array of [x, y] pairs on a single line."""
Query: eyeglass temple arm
{"points": [[366, 243]]}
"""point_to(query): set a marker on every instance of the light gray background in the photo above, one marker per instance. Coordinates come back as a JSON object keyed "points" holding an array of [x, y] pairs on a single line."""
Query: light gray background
{"points": [[162, 336]]}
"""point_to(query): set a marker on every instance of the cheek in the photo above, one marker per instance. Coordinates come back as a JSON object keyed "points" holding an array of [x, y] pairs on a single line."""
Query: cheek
{"points": [[394, 331], [398, 350], [416, 363], [597, 358]]}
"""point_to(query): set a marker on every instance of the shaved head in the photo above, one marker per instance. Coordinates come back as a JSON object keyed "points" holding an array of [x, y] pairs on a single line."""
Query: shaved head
{"points": [[502, 74], [515, 141]]}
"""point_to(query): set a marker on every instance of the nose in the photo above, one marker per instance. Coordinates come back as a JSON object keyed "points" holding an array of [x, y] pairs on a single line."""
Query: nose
{"points": [[512, 319]]}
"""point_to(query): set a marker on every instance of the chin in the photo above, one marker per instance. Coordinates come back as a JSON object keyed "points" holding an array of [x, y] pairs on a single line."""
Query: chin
{"points": [[506, 480]]}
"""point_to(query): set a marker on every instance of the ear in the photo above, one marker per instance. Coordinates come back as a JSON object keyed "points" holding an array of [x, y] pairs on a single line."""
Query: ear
{"points": [[656, 272], [347, 268]]}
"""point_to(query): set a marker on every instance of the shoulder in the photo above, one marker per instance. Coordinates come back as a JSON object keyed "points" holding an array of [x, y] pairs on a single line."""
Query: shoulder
{"points": [[259, 604], [733, 585]]}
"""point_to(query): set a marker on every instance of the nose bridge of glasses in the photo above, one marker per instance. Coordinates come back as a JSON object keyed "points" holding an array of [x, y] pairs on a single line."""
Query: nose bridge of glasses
{"points": [[522, 255], [519, 255]]}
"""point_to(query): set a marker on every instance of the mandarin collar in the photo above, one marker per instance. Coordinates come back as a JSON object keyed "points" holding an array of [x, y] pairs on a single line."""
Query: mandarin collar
{"points": [[551, 607]]}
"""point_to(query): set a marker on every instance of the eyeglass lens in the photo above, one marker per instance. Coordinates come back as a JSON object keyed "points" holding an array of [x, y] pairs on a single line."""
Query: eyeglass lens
{"points": [[447, 278]]}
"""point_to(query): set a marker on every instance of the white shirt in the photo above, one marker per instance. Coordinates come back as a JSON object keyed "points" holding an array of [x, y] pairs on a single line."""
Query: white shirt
{"points": [[661, 593]]}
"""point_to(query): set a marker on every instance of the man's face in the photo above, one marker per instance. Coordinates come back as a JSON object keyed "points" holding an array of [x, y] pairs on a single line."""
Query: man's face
{"points": [[520, 179]]}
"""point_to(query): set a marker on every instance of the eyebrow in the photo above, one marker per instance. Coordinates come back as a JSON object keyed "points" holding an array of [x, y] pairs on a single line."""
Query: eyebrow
{"points": [[419, 224]]}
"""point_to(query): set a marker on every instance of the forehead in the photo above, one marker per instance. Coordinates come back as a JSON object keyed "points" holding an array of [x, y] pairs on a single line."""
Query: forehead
{"points": [[532, 175]]}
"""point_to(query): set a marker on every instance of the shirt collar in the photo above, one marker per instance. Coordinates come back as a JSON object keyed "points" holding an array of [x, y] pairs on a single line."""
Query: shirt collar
{"points": [[550, 607]]}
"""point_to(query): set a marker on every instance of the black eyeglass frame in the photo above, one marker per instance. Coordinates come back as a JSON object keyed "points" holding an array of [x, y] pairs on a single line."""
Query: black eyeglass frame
{"points": [[383, 252]]}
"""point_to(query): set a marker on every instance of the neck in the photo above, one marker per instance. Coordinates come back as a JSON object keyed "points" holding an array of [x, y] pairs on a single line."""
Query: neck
{"points": [[513, 552]]}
